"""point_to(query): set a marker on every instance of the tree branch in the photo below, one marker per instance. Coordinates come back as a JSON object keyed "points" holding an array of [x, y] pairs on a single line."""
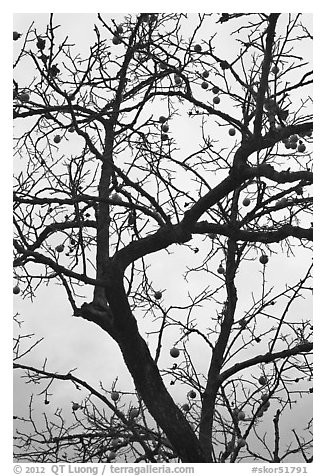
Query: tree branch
{"points": [[266, 358], [265, 72]]}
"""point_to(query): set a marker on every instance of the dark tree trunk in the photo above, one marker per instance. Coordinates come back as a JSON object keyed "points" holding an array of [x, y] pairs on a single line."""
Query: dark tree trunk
{"points": [[146, 376]]}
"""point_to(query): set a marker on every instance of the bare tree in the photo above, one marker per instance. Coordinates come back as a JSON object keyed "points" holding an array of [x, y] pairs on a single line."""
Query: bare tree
{"points": [[104, 179]]}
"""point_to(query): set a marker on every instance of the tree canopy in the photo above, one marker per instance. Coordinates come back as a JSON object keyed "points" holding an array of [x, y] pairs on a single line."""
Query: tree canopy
{"points": [[180, 138]]}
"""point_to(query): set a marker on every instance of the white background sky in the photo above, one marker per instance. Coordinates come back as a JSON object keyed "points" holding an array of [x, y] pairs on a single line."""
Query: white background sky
{"points": [[78, 332]]}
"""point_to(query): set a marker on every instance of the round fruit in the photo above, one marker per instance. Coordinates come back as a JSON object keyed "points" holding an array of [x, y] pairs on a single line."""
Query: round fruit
{"points": [[165, 137], [158, 295], [24, 97], [301, 148], [116, 197], [235, 411], [112, 454], [260, 413], [275, 69], [54, 70], [16, 35], [263, 259], [262, 380], [134, 412], [40, 44], [16, 289], [241, 415], [205, 74], [215, 90], [204, 85], [57, 139], [186, 407], [197, 48], [75, 407], [165, 127], [115, 396], [174, 352], [177, 79], [294, 138], [220, 269], [241, 442], [116, 40], [120, 29], [264, 397], [212, 236], [224, 65], [216, 100], [288, 145], [192, 394], [71, 129], [246, 202], [60, 248], [162, 119], [232, 131]]}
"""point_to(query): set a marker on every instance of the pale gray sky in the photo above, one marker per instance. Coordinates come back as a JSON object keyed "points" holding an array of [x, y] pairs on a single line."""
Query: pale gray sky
{"points": [[82, 345]]}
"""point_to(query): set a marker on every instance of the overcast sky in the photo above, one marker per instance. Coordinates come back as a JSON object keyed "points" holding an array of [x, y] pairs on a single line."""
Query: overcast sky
{"points": [[82, 344]]}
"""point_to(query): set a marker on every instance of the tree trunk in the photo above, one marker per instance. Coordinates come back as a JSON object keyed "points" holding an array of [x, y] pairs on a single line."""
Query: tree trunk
{"points": [[146, 376]]}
